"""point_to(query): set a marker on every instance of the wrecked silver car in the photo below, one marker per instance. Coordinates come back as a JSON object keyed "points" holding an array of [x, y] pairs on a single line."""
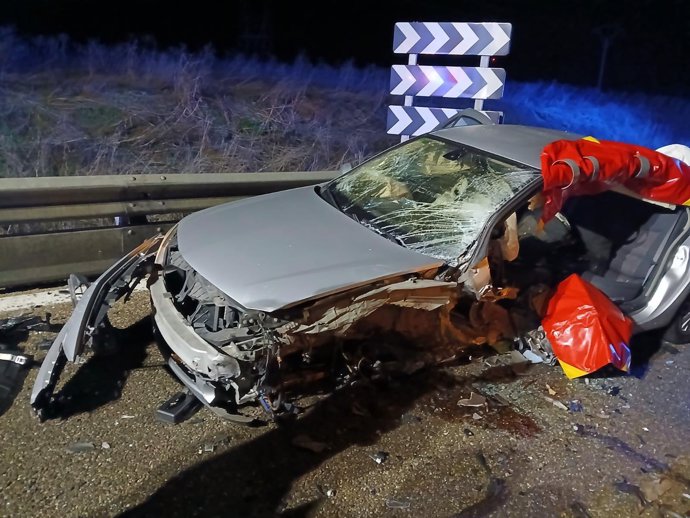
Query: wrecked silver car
{"points": [[430, 247]]}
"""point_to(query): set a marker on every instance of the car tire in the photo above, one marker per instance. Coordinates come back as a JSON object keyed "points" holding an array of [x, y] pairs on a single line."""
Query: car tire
{"points": [[678, 331]]}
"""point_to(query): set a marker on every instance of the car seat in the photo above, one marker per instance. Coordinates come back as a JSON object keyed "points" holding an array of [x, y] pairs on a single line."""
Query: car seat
{"points": [[625, 238]]}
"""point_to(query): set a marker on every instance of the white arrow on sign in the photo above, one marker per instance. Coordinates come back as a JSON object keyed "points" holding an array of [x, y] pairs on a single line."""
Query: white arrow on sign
{"points": [[407, 80], [500, 38], [403, 120], [411, 37], [493, 83], [430, 122], [435, 81], [440, 38], [469, 38], [462, 82]]}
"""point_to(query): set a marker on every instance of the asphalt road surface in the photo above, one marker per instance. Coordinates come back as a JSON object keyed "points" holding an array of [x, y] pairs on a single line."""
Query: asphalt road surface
{"points": [[540, 445]]}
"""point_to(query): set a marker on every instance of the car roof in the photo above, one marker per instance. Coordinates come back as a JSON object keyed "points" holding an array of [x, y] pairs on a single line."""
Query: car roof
{"points": [[522, 144]]}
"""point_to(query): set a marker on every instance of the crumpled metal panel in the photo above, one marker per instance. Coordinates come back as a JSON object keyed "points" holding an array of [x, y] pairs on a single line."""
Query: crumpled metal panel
{"points": [[339, 314]]}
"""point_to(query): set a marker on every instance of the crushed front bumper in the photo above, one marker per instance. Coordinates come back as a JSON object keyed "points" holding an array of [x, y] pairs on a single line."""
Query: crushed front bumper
{"points": [[193, 360]]}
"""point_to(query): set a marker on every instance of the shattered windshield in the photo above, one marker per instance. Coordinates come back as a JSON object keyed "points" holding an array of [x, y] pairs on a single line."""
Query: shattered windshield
{"points": [[430, 195]]}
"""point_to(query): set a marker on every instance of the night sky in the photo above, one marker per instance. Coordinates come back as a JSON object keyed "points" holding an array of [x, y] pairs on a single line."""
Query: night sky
{"points": [[552, 40]]}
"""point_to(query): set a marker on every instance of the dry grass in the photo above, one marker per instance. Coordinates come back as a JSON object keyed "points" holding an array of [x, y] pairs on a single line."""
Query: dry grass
{"points": [[107, 125], [126, 109], [68, 109]]}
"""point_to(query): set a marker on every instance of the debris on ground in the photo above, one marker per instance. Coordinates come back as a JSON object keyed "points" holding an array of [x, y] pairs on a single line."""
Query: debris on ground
{"points": [[575, 405], [392, 503], [475, 400], [44, 345], [178, 408], [13, 323], [614, 391], [534, 346], [380, 457], [105, 445], [551, 391], [654, 488], [631, 489], [495, 496], [556, 403], [81, 447], [209, 448], [307, 443], [326, 491]]}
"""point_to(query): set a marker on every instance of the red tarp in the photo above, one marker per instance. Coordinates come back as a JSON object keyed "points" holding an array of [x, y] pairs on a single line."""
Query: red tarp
{"points": [[643, 171], [586, 329]]}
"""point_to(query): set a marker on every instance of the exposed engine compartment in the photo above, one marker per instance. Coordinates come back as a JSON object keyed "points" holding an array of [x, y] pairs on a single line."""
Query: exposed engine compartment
{"points": [[398, 325], [243, 338], [267, 358]]}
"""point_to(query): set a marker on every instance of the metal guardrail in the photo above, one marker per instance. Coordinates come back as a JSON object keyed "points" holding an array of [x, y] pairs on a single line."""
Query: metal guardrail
{"points": [[42, 257]]}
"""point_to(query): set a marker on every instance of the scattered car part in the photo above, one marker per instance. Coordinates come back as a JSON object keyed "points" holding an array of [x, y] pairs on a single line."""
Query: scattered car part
{"points": [[10, 324], [475, 400], [535, 346], [15, 357], [178, 408], [380, 457], [13, 369]]}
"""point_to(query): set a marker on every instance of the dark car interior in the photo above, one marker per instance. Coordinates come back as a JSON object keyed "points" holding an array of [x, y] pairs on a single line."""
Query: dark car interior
{"points": [[614, 241]]}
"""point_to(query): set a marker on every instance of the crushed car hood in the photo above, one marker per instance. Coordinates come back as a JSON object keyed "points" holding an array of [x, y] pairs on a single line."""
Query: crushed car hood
{"points": [[273, 251]]}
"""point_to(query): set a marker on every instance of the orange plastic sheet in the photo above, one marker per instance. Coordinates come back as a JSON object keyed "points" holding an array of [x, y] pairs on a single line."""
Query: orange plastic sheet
{"points": [[586, 330], [590, 166]]}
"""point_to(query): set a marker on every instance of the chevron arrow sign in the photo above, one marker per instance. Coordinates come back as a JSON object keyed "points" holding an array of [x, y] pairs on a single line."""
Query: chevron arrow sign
{"points": [[416, 120], [447, 38], [449, 82]]}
